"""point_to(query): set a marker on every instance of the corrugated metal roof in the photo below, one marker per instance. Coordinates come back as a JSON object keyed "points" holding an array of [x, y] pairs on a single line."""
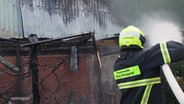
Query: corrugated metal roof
{"points": [[55, 18], [10, 22], [60, 18]]}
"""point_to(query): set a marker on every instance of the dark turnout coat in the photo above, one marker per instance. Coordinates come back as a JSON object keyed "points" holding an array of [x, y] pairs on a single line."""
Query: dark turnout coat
{"points": [[137, 72]]}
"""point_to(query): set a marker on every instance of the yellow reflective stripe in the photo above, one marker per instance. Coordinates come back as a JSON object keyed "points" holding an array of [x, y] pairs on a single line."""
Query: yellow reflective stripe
{"points": [[165, 53], [130, 40], [127, 72], [139, 83], [146, 94]]}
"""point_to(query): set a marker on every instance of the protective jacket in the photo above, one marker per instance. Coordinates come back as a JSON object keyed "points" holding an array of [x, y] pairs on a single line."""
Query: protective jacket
{"points": [[137, 72]]}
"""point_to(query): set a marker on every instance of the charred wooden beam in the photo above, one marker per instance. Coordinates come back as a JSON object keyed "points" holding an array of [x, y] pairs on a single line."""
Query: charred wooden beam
{"points": [[74, 59], [72, 39], [97, 52], [34, 69]]}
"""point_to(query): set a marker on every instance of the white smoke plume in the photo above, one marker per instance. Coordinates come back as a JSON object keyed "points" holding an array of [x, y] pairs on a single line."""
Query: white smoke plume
{"points": [[158, 30], [159, 22]]}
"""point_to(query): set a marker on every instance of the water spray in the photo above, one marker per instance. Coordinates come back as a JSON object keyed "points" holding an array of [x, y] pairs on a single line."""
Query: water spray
{"points": [[159, 31]]}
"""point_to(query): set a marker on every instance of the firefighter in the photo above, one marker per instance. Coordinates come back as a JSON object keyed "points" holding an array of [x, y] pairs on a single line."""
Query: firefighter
{"points": [[137, 71]]}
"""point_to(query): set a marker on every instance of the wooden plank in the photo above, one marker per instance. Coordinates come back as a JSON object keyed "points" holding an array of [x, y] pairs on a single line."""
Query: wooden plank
{"points": [[107, 42]]}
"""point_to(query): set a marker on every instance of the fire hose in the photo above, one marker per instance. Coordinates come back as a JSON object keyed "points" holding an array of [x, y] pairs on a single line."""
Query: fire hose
{"points": [[176, 89]]}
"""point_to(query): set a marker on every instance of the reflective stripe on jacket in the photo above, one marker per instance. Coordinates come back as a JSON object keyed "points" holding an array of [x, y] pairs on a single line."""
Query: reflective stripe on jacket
{"points": [[138, 72]]}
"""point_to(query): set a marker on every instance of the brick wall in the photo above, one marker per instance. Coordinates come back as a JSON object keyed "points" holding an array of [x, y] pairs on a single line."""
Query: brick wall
{"points": [[57, 84]]}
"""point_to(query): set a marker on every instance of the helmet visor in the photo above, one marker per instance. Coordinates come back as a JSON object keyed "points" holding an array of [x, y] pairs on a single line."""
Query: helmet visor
{"points": [[129, 34]]}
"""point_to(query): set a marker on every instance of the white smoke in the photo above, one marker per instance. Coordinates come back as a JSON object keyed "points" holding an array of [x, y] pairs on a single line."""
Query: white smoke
{"points": [[158, 30], [159, 22]]}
